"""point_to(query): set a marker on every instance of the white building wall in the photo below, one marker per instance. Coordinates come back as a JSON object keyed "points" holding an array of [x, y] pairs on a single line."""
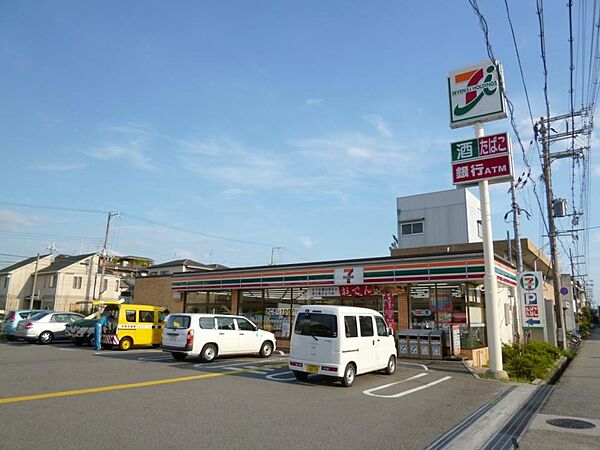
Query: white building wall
{"points": [[448, 217], [505, 315]]}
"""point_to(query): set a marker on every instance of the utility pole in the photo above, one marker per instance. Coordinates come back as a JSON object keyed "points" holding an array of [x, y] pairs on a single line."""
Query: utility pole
{"points": [[37, 261], [273, 249], [543, 129], [104, 256], [519, 257]]}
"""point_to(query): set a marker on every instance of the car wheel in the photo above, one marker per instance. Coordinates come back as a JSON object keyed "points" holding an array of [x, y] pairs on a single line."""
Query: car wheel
{"points": [[45, 337], [209, 353], [391, 366], [300, 376], [349, 374], [125, 344], [179, 356], [266, 349]]}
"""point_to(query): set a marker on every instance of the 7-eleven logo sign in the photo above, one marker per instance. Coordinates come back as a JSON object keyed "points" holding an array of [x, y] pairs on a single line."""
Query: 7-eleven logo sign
{"points": [[475, 94], [477, 83], [529, 281], [348, 275]]}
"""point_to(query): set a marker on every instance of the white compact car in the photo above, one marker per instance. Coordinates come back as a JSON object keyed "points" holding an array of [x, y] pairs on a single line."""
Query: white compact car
{"points": [[46, 326], [342, 342], [209, 335]]}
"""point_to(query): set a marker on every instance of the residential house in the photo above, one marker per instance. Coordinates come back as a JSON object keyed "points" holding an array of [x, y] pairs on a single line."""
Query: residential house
{"points": [[70, 279], [16, 282]]}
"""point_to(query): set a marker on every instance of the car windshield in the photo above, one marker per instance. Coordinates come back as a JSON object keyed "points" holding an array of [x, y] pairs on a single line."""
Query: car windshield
{"points": [[316, 324], [176, 321], [39, 315]]}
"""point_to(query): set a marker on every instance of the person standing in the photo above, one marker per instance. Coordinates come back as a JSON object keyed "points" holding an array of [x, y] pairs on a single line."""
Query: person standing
{"points": [[98, 328]]}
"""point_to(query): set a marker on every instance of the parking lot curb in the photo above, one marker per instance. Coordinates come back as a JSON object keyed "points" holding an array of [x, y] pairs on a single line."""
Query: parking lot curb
{"points": [[471, 370]]}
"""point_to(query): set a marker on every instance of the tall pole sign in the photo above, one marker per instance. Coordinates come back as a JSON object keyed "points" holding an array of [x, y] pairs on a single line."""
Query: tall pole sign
{"points": [[476, 96]]}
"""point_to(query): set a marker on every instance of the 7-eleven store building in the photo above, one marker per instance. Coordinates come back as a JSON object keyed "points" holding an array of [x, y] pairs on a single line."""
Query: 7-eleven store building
{"points": [[432, 292]]}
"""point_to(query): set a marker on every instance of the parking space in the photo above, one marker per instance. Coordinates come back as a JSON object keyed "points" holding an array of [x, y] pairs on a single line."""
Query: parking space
{"points": [[232, 402]]}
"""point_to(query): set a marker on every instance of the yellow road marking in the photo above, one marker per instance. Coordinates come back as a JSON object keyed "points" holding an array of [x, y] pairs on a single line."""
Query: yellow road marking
{"points": [[117, 387]]}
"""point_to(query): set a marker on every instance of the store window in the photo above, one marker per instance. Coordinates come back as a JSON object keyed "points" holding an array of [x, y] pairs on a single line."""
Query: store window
{"points": [[208, 302], [437, 305], [251, 305], [443, 305], [272, 309]]}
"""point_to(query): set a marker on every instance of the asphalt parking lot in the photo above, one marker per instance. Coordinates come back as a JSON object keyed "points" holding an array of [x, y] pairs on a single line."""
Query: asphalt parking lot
{"points": [[62, 396]]}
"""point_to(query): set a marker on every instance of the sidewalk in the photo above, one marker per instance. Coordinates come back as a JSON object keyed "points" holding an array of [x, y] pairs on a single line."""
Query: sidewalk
{"points": [[576, 396]]}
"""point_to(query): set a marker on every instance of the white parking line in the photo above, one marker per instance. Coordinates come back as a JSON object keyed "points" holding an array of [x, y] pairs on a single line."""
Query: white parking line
{"points": [[404, 393], [422, 366], [276, 376], [223, 366]]}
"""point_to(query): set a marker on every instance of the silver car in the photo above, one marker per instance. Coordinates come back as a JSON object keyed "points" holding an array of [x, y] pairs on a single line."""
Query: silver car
{"points": [[46, 326]]}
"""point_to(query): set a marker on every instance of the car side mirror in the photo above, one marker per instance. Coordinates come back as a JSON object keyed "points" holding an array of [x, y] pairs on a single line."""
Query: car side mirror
{"points": [[390, 331]]}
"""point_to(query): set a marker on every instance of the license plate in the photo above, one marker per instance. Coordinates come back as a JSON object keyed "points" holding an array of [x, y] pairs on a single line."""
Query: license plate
{"points": [[312, 369]]}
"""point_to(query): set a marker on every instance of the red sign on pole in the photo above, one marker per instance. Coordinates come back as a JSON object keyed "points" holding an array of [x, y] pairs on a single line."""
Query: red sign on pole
{"points": [[496, 168], [388, 311]]}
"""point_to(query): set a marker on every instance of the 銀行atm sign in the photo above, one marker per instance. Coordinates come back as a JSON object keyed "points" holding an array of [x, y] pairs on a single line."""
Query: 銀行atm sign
{"points": [[485, 158]]}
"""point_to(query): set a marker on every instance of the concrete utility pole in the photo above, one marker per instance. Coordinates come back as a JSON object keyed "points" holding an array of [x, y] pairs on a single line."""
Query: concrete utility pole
{"points": [[37, 261], [491, 280], [543, 129], [273, 249], [104, 253], [519, 256]]}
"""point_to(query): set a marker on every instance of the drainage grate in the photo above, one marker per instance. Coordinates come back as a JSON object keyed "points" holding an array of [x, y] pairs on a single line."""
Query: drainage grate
{"points": [[573, 424]]}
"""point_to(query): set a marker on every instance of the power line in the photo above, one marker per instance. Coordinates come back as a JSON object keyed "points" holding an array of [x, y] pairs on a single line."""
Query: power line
{"points": [[15, 256], [56, 208], [141, 219], [511, 110], [199, 233]]}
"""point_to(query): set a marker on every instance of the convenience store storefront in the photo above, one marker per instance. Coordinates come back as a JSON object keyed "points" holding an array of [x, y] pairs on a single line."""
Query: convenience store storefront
{"points": [[433, 292]]}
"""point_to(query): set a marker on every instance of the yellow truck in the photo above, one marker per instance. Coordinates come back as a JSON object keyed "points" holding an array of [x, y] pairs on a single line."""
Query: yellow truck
{"points": [[129, 325]]}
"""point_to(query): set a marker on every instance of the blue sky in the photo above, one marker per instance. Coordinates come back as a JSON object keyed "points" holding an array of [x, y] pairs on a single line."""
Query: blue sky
{"points": [[282, 124]]}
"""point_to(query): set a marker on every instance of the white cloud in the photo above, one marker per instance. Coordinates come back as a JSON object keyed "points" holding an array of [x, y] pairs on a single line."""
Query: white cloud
{"points": [[132, 153], [233, 192], [58, 167], [133, 127], [358, 152], [307, 242], [313, 101], [379, 123], [10, 221], [182, 253]]}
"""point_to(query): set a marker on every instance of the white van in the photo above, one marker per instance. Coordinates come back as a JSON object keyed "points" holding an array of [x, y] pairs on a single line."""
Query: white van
{"points": [[209, 335], [342, 342]]}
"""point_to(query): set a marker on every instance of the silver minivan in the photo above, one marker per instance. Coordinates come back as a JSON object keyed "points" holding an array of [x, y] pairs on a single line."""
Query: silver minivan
{"points": [[210, 335]]}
